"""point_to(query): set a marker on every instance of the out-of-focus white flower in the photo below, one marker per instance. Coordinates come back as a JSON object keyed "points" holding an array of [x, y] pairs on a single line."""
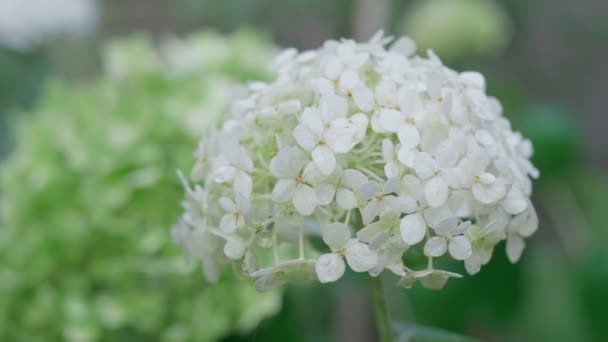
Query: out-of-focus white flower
{"points": [[26, 24], [405, 151], [460, 28]]}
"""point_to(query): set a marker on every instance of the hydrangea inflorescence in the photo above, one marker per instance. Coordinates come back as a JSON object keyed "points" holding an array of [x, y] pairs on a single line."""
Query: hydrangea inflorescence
{"points": [[372, 149], [84, 251]]}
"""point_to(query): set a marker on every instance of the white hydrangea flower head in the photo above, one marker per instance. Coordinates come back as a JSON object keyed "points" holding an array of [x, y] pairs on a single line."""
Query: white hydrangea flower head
{"points": [[355, 155], [27, 24]]}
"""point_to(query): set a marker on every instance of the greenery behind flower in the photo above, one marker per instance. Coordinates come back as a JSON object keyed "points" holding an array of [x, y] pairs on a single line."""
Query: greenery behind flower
{"points": [[87, 200], [457, 29]]}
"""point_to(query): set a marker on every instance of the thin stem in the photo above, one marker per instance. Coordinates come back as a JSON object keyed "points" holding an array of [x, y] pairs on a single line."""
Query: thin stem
{"points": [[301, 242], [383, 318]]}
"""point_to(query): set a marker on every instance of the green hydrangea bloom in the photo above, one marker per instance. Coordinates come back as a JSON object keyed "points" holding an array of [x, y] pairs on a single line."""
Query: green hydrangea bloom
{"points": [[455, 29], [88, 198]]}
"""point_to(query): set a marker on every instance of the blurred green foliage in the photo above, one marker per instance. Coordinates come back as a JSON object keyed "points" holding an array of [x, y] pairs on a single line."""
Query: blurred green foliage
{"points": [[21, 74], [556, 138], [457, 29], [89, 193]]}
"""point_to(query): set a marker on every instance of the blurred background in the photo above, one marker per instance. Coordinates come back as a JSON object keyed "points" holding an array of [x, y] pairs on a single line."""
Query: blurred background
{"points": [[101, 101]]}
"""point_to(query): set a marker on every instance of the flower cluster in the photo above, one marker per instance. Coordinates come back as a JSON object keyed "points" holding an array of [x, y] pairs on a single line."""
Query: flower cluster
{"points": [[27, 24], [84, 251], [357, 154]]}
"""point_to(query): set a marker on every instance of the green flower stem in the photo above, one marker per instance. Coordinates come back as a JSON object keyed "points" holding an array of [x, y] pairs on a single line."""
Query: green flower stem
{"points": [[383, 317]]}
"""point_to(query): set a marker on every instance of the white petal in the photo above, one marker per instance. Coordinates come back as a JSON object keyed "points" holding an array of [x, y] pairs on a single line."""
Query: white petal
{"points": [[312, 174], [269, 282], [461, 203], [242, 203], [386, 93], [228, 223], [413, 228], [515, 246], [288, 162], [353, 178], [448, 152], [376, 125], [325, 159], [244, 162], [234, 249], [526, 223], [454, 177], [240, 220], [436, 191], [367, 190], [335, 235], [484, 137], [407, 156], [460, 248], [405, 46], [329, 268], [333, 107], [447, 226], [211, 270], [359, 257], [434, 216], [409, 101], [388, 206], [304, 200], [349, 79], [323, 85], [412, 186], [227, 204], [304, 137], [358, 60], [424, 164], [311, 119], [346, 199], [406, 204], [435, 246], [434, 84], [360, 123], [341, 136], [489, 193], [370, 211], [283, 190], [473, 79], [473, 264], [409, 136], [364, 98], [325, 193], [462, 227], [388, 149], [390, 119], [434, 281], [224, 173], [289, 107], [370, 232], [392, 169], [487, 178], [332, 67], [243, 184], [391, 185], [515, 202]]}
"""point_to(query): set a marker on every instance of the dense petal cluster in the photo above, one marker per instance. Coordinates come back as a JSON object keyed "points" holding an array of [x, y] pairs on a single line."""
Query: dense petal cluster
{"points": [[356, 155]]}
